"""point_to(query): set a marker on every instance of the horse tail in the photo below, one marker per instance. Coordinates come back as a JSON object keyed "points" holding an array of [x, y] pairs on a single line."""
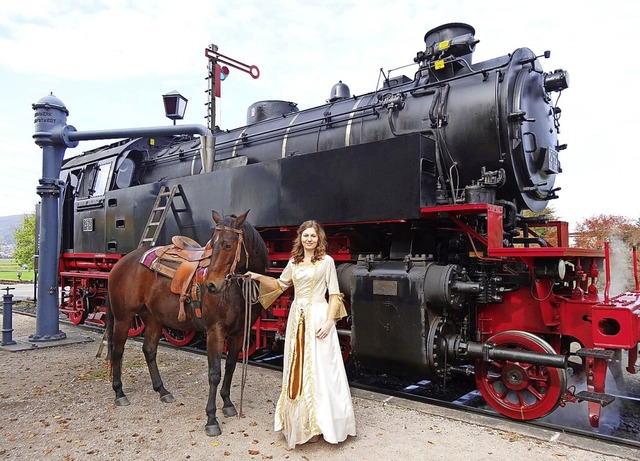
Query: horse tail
{"points": [[109, 333]]}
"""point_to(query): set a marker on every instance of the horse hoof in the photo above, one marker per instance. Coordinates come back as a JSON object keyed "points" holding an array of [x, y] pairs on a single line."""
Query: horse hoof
{"points": [[213, 430], [122, 401], [167, 398], [229, 411]]}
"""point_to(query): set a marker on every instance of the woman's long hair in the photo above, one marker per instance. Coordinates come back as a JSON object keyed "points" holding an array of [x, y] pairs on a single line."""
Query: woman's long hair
{"points": [[297, 252]]}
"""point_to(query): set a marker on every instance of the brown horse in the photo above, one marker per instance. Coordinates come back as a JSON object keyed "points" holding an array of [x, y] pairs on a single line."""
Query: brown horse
{"points": [[136, 289]]}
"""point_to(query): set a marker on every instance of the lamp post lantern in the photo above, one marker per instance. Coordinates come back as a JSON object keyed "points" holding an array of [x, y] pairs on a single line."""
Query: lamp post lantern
{"points": [[175, 105]]}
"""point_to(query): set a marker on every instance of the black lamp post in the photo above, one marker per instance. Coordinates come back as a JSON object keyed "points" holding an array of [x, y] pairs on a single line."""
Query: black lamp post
{"points": [[175, 105]]}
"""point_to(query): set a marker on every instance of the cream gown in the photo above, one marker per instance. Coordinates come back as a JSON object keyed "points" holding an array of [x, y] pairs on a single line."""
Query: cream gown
{"points": [[315, 397]]}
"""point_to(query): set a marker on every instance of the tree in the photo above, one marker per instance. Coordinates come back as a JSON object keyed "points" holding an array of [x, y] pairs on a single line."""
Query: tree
{"points": [[592, 232], [25, 236], [548, 233], [622, 234]]}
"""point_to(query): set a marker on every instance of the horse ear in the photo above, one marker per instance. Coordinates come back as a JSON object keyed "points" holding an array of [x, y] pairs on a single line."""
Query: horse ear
{"points": [[216, 216], [241, 218]]}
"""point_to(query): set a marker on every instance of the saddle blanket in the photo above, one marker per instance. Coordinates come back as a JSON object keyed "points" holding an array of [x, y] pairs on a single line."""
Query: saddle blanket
{"points": [[187, 269], [168, 261]]}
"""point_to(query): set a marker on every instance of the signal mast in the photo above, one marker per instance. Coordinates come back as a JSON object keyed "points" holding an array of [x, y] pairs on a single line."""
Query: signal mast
{"points": [[217, 73]]}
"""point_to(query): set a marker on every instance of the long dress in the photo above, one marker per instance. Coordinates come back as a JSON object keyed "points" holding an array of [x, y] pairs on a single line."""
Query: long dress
{"points": [[315, 397]]}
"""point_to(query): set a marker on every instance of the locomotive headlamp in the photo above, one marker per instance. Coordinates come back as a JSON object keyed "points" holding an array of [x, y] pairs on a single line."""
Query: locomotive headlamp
{"points": [[556, 81], [175, 105], [553, 269]]}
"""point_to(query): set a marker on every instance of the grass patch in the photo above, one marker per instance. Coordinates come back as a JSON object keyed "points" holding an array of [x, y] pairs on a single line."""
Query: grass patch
{"points": [[10, 270], [96, 374]]}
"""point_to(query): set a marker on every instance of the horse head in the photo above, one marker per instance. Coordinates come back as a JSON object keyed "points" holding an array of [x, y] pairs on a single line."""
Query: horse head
{"points": [[228, 250]]}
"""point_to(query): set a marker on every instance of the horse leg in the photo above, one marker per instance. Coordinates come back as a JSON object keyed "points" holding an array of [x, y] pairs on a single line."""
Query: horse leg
{"points": [[233, 349], [116, 349], [214, 360], [152, 333]]}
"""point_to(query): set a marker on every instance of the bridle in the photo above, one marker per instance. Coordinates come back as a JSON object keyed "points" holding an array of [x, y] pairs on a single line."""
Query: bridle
{"points": [[240, 245]]}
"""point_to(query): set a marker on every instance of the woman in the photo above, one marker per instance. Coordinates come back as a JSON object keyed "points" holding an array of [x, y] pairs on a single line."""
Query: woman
{"points": [[315, 398]]}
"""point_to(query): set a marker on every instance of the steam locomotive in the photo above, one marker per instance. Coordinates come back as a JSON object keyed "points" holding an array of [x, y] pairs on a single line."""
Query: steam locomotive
{"points": [[424, 187]]}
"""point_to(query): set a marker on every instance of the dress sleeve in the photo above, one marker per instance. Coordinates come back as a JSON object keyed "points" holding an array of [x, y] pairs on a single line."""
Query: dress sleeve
{"points": [[286, 278], [336, 309], [332, 276], [271, 288]]}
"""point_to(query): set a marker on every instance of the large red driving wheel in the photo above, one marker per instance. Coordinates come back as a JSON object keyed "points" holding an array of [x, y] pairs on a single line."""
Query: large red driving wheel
{"points": [[520, 390], [78, 310], [178, 337], [77, 316]]}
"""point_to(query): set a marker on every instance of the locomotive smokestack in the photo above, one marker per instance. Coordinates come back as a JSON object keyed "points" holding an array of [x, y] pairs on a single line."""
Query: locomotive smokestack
{"points": [[455, 38]]}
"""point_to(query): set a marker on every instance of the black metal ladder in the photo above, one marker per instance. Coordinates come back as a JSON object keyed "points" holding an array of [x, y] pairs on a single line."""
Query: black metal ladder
{"points": [[159, 212]]}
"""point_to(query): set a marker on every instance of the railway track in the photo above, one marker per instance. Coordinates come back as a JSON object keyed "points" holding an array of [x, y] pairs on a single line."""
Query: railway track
{"points": [[621, 428], [620, 425]]}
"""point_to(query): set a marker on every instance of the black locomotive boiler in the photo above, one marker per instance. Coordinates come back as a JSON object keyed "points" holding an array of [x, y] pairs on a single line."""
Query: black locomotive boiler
{"points": [[422, 186]]}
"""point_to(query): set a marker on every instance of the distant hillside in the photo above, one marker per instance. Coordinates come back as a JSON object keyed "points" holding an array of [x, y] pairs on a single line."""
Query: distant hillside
{"points": [[8, 225]]}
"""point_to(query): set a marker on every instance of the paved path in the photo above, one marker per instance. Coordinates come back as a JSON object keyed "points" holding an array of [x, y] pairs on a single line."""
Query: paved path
{"points": [[20, 291]]}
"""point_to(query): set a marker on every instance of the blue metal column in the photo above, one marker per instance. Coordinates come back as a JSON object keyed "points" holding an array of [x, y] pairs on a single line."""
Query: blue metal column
{"points": [[51, 132]]}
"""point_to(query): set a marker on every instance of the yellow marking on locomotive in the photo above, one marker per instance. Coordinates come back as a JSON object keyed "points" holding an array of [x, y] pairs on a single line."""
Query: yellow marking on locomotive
{"points": [[443, 45], [439, 64]]}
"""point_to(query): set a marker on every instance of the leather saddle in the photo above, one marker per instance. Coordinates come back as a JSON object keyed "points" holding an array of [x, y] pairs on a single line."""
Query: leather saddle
{"points": [[185, 262]]}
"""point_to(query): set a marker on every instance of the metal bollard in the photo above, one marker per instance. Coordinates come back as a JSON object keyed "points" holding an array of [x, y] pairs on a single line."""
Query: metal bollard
{"points": [[7, 318]]}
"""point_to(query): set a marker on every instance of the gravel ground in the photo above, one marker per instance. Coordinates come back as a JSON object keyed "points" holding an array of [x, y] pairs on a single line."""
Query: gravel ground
{"points": [[56, 403]]}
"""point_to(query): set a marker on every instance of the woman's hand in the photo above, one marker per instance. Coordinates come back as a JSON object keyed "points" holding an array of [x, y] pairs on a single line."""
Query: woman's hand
{"points": [[253, 275], [324, 330]]}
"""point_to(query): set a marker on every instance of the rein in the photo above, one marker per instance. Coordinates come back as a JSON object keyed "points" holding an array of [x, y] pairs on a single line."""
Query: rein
{"points": [[251, 292]]}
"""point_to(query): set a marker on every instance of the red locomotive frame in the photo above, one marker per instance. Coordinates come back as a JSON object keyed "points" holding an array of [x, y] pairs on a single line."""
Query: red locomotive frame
{"points": [[573, 314]]}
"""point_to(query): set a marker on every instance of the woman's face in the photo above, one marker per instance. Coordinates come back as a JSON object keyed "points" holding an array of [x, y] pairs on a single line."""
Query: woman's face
{"points": [[309, 239]]}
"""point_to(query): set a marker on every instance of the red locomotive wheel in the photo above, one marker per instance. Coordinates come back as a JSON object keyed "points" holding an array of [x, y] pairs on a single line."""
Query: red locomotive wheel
{"points": [[76, 317], [345, 347], [178, 337], [520, 390], [137, 326], [78, 314]]}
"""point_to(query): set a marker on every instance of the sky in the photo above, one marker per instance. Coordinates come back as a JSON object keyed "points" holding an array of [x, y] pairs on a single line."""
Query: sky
{"points": [[110, 61]]}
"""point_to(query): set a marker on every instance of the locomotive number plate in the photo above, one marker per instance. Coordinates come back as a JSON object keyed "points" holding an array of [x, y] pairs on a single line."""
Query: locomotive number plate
{"points": [[552, 164], [385, 288], [87, 224]]}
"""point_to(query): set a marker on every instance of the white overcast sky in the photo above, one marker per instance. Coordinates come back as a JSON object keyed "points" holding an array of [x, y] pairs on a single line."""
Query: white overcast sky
{"points": [[110, 61]]}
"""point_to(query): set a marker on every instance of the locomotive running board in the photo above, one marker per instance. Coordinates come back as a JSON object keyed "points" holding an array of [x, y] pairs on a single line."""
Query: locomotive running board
{"points": [[493, 238]]}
